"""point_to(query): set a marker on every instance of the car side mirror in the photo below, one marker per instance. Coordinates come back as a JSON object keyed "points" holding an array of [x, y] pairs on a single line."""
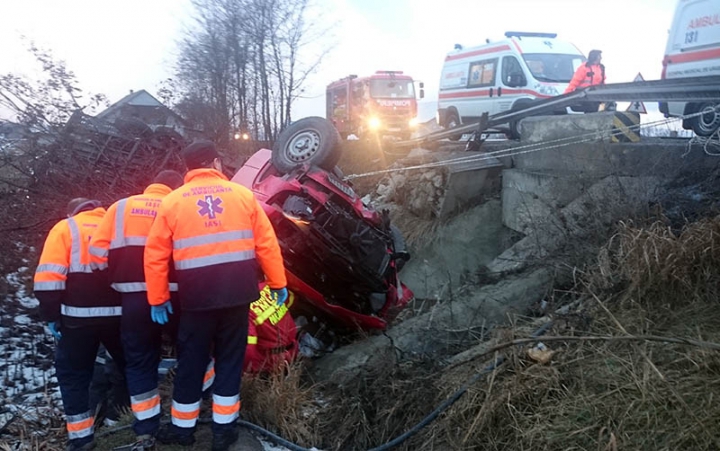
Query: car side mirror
{"points": [[422, 85], [422, 93]]}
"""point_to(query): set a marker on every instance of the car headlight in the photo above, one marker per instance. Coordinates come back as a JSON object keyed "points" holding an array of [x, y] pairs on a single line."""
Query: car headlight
{"points": [[548, 90], [374, 123], [414, 122]]}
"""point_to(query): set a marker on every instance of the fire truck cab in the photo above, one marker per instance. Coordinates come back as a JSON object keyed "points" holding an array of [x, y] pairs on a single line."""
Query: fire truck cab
{"points": [[383, 104]]}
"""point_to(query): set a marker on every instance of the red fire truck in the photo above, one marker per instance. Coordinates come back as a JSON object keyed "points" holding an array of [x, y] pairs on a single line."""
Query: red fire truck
{"points": [[382, 104]]}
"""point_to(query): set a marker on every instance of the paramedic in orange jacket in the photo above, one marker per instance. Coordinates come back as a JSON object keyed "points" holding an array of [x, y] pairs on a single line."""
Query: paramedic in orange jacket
{"points": [[591, 73], [271, 334], [119, 243], [81, 310], [218, 237]]}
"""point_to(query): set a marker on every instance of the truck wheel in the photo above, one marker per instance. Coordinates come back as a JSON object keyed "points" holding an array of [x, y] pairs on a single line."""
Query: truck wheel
{"points": [[451, 121], [707, 123], [312, 140]]}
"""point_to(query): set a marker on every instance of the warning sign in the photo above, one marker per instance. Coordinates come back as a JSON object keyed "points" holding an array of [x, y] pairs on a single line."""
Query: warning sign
{"points": [[637, 107]]}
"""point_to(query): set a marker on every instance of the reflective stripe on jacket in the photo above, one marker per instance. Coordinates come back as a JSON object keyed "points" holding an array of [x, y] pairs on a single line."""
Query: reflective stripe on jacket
{"points": [[587, 76], [121, 237], [65, 282], [216, 233], [271, 334]]}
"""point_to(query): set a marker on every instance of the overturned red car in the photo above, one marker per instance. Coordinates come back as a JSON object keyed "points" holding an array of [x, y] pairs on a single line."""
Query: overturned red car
{"points": [[342, 257]]}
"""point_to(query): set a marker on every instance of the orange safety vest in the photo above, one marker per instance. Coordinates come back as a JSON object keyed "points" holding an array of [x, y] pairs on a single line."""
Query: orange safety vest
{"points": [[587, 76], [272, 334], [65, 283], [120, 239], [216, 233]]}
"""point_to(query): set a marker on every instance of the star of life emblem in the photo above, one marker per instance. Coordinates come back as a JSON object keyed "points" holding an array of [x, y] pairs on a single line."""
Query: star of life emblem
{"points": [[210, 206]]}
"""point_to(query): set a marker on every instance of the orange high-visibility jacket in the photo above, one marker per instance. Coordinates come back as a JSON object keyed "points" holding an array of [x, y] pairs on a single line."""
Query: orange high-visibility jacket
{"points": [[120, 239], [587, 76], [65, 282], [216, 233], [272, 334]]}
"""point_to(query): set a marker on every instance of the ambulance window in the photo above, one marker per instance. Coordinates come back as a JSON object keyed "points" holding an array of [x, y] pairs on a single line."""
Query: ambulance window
{"points": [[512, 73], [482, 73]]}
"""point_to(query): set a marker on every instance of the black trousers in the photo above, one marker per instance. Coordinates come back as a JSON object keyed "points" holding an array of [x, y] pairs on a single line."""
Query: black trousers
{"points": [[223, 334], [74, 366]]}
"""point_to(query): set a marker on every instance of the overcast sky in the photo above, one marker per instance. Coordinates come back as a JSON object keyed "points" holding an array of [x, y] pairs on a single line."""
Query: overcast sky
{"points": [[114, 46]]}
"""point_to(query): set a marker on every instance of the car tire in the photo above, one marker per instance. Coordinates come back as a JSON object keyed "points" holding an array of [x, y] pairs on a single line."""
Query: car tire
{"points": [[451, 121], [706, 124], [312, 140], [515, 125]]}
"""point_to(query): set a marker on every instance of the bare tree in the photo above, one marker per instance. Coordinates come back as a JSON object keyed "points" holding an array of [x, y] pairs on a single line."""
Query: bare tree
{"points": [[48, 102], [247, 60]]}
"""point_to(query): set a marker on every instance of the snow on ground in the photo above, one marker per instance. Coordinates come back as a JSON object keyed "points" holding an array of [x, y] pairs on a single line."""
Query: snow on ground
{"points": [[28, 387]]}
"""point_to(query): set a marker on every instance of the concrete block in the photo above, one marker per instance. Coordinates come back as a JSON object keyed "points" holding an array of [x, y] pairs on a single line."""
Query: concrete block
{"points": [[530, 198], [597, 127], [469, 183]]}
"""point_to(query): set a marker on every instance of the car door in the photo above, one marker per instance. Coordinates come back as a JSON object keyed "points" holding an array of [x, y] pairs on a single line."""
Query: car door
{"points": [[510, 87]]}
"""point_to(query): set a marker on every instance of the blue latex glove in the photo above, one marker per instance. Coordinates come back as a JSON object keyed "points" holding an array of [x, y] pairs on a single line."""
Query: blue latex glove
{"points": [[159, 313], [280, 296], [54, 329]]}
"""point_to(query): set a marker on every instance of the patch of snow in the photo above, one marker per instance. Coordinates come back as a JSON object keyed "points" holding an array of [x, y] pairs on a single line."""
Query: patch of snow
{"points": [[17, 281], [22, 319]]}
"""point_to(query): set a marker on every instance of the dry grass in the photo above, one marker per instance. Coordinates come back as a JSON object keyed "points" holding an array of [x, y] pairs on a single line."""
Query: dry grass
{"points": [[283, 403], [603, 396]]}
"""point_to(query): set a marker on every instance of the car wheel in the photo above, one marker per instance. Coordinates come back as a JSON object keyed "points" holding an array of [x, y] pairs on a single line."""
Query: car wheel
{"points": [[707, 123], [515, 125], [451, 121], [312, 140]]}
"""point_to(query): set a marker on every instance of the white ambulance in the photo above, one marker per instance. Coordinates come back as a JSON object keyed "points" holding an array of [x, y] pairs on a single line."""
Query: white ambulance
{"points": [[693, 50], [503, 75]]}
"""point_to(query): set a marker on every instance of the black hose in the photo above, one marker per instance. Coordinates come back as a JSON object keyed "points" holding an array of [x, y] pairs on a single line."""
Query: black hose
{"points": [[394, 442]]}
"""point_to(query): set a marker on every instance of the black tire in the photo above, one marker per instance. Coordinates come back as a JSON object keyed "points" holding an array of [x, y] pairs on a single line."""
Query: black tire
{"points": [[515, 125], [312, 140], [452, 120], [708, 123]]}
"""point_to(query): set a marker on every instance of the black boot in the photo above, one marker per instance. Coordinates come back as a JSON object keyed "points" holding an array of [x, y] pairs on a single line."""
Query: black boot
{"points": [[223, 440], [167, 435]]}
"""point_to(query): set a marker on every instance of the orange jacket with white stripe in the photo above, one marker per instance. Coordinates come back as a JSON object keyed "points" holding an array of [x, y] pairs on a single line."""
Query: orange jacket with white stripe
{"points": [[120, 239], [65, 283], [218, 238], [272, 334]]}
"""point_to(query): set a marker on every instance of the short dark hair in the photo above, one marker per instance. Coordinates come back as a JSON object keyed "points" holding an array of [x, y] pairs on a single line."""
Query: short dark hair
{"points": [[171, 179], [200, 154], [80, 204]]}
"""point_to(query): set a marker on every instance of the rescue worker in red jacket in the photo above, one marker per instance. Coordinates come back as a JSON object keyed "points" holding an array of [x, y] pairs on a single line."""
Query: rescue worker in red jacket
{"points": [[81, 310], [218, 237], [119, 243], [272, 334]]}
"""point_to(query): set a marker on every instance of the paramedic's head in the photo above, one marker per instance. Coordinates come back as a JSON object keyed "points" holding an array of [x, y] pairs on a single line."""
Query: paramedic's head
{"points": [[595, 56], [169, 178], [202, 154], [80, 204]]}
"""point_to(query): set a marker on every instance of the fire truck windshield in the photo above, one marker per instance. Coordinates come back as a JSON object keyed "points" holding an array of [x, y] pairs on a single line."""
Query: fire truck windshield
{"points": [[553, 67], [400, 89]]}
